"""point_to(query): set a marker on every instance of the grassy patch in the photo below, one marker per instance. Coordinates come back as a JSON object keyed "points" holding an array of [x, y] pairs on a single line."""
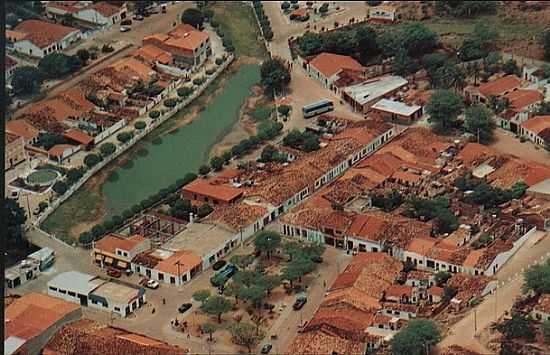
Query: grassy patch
{"points": [[261, 113], [80, 208], [237, 21]]}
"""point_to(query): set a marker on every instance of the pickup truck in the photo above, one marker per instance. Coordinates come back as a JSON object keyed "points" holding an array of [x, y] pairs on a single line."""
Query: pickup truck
{"points": [[225, 274]]}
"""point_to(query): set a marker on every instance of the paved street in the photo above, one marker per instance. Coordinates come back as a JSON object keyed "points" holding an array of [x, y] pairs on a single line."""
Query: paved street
{"points": [[462, 333]]}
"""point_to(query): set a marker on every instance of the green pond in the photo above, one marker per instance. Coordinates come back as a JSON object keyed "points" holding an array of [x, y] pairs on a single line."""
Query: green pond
{"points": [[160, 165]]}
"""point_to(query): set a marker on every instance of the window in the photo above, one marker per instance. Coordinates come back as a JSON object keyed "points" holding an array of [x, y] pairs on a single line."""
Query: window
{"points": [[53, 288], [172, 280], [71, 293], [63, 291], [161, 276], [117, 309]]}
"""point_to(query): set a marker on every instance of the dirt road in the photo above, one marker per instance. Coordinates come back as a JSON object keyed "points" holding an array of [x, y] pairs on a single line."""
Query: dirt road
{"points": [[510, 279], [507, 143]]}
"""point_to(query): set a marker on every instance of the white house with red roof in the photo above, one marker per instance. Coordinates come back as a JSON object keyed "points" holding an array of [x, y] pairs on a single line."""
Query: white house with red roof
{"points": [[328, 67], [11, 64], [537, 130], [521, 103], [102, 13], [37, 38]]}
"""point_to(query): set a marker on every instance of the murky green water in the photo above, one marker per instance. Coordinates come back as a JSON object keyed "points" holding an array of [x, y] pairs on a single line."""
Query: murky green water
{"points": [[181, 152]]}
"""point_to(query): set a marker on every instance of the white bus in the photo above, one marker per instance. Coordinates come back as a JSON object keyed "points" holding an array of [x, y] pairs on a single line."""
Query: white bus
{"points": [[317, 108]]}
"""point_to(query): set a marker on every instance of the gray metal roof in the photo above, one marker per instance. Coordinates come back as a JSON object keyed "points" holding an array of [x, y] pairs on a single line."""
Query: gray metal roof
{"points": [[76, 281], [42, 254], [12, 344]]}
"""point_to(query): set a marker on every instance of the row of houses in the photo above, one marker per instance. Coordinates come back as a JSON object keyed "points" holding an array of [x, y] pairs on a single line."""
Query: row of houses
{"points": [[104, 102]]}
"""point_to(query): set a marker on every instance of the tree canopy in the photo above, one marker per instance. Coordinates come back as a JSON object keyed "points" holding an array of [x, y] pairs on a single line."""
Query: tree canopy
{"points": [[267, 241], [444, 107], [537, 278], [519, 326], [275, 75], [56, 65], [15, 219], [26, 80], [216, 306], [193, 17], [245, 334], [201, 295], [479, 122], [415, 338], [418, 39]]}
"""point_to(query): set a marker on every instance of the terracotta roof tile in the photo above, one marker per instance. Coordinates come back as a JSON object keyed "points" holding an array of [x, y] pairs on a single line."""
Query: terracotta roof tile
{"points": [[474, 153], [78, 136], [236, 216], [522, 98], [43, 34], [320, 342], [500, 86], [181, 261], [436, 291], [399, 291], [537, 124], [214, 190], [329, 63], [22, 128], [110, 243], [105, 9], [153, 53], [58, 149]]}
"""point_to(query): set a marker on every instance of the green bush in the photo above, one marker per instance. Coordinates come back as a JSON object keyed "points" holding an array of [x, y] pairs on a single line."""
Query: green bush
{"points": [[185, 91], [124, 137], [219, 61], [154, 114], [107, 48], [170, 103], [261, 113], [214, 24], [140, 125], [199, 81], [210, 71], [204, 170], [85, 238], [107, 149], [91, 160]]}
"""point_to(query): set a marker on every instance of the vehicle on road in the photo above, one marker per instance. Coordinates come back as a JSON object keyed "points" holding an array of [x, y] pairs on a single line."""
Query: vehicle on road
{"points": [[138, 17], [163, 9], [184, 307], [301, 300], [219, 264], [266, 348], [225, 274], [153, 284], [128, 272], [125, 28], [127, 22], [317, 108], [114, 273]]}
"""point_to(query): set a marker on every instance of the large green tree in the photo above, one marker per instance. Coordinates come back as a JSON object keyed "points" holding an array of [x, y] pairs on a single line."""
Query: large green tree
{"points": [[15, 219], [416, 338], [537, 278], [365, 37], [520, 326], [404, 64], [444, 107], [418, 39], [216, 306], [267, 242], [193, 17], [56, 65], [479, 122], [245, 334], [26, 80], [275, 74], [310, 43]]}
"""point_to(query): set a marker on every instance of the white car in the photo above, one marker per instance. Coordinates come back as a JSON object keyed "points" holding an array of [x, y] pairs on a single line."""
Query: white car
{"points": [[153, 284], [125, 28]]}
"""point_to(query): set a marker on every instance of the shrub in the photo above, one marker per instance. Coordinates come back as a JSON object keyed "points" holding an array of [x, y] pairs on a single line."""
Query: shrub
{"points": [[210, 71], [204, 210], [85, 238], [154, 114], [140, 125], [124, 137], [185, 91], [219, 61], [170, 103], [199, 81], [214, 24], [204, 170], [107, 48], [91, 160], [127, 214], [216, 163], [107, 149]]}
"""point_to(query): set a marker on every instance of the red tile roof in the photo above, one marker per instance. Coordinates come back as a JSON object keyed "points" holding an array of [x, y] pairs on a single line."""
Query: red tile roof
{"points": [[67, 6], [436, 291], [474, 153], [324, 342], [105, 9], [399, 291], [43, 34], [33, 314], [179, 263], [78, 136], [537, 124], [22, 128], [210, 189], [329, 64], [59, 149], [236, 216], [153, 53], [110, 243], [522, 98], [500, 86]]}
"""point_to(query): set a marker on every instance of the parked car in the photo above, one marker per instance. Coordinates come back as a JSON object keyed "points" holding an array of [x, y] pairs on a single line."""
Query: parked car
{"points": [[184, 307], [125, 28], [317, 259], [153, 284], [127, 22], [219, 264], [163, 9], [114, 273], [225, 274], [144, 281], [266, 348], [300, 302], [138, 17], [128, 272]]}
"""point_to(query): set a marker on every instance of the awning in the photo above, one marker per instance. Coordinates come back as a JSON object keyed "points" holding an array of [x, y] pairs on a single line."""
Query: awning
{"points": [[122, 264], [108, 260], [99, 257]]}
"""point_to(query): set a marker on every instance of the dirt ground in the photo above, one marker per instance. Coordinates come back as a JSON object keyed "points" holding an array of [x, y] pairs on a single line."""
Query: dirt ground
{"points": [[507, 143]]}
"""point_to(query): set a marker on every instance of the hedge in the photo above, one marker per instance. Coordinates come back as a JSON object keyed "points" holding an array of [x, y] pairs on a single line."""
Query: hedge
{"points": [[154, 114]]}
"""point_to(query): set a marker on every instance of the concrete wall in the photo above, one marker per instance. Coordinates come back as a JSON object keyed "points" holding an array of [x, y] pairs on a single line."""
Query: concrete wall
{"points": [[502, 258]]}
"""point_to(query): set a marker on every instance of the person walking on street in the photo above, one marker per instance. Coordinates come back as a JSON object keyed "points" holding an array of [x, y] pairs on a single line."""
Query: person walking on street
{"points": [[163, 300]]}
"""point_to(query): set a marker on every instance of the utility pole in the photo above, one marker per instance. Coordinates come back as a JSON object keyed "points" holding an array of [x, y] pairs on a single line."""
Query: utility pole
{"points": [[475, 321], [496, 301]]}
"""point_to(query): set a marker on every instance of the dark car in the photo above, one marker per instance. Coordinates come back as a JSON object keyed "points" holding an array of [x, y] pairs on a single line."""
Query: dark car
{"points": [[317, 259], [184, 307], [300, 302], [266, 348], [126, 22], [219, 264], [114, 273]]}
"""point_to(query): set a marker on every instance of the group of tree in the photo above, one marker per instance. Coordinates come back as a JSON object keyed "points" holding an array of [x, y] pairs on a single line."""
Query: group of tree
{"points": [[17, 11], [305, 141], [47, 140], [479, 43], [491, 196], [416, 338], [115, 222], [265, 25], [275, 75], [433, 209], [58, 65], [271, 154], [15, 219], [537, 278], [478, 121], [444, 108], [443, 72], [388, 201], [465, 8]]}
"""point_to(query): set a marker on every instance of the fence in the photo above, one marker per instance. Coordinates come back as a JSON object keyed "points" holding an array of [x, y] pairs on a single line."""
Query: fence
{"points": [[124, 147]]}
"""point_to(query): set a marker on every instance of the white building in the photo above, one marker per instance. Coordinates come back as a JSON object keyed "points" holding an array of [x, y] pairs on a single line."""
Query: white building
{"points": [[362, 96], [383, 13], [92, 291], [29, 268], [37, 38], [102, 13], [537, 130]]}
